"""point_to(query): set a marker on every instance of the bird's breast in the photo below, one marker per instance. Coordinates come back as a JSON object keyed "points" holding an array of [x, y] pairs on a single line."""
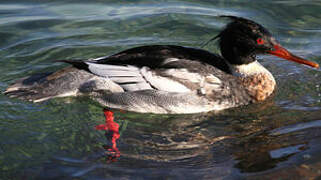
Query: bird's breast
{"points": [[259, 86]]}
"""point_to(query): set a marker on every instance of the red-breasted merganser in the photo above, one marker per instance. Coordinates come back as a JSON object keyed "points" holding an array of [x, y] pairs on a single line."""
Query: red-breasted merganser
{"points": [[168, 78]]}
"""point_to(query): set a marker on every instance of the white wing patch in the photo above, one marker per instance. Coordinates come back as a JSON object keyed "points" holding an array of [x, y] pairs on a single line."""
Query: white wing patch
{"points": [[132, 78], [113, 70], [127, 77], [184, 74], [163, 83]]}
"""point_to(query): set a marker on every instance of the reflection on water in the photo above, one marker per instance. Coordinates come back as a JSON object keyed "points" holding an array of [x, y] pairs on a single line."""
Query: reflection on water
{"points": [[277, 139]]}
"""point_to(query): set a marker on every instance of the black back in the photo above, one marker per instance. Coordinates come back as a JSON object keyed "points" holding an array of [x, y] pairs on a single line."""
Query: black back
{"points": [[153, 56]]}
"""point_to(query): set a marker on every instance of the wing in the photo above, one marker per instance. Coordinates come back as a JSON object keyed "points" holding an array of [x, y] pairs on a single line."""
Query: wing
{"points": [[167, 68], [132, 78]]}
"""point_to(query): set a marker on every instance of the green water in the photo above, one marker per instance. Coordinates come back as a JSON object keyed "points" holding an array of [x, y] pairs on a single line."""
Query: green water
{"points": [[277, 139]]}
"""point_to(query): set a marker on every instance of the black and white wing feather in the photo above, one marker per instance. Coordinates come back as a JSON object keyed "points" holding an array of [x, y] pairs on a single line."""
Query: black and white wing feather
{"points": [[165, 68]]}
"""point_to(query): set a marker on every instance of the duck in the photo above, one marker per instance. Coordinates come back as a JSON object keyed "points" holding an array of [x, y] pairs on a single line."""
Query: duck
{"points": [[169, 79]]}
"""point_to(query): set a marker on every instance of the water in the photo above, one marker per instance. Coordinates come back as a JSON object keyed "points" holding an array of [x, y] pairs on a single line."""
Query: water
{"points": [[276, 139]]}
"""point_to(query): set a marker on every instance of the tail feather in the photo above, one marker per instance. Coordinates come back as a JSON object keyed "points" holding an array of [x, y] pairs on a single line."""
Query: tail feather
{"points": [[27, 95], [40, 87]]}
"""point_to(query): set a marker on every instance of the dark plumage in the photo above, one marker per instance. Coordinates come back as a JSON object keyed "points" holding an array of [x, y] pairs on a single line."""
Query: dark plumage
{"points": [[238, 41]]}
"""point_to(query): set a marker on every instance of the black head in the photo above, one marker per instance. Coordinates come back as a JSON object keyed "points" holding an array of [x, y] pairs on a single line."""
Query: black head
{"points": [[242, 39]]}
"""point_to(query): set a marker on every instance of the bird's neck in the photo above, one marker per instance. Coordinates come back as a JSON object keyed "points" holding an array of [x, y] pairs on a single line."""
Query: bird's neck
{"points": [[250, 69], [256, 79]]}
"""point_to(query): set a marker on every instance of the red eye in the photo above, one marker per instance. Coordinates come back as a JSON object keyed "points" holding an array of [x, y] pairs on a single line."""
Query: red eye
{"points": [[260, 41]]}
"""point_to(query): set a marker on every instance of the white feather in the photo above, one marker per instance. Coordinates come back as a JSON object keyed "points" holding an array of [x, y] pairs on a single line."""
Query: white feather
{"points": [[163, 83], [112, 70], [168, 60], [127, 79], [184, 74], [136, 86]]}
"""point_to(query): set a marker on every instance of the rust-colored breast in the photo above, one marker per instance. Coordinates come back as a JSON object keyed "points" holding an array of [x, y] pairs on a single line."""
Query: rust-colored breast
{"points": [[259, 86]]}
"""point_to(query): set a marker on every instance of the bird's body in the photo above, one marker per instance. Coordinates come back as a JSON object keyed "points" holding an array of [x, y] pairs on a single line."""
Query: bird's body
{"points": [[166, 78]]}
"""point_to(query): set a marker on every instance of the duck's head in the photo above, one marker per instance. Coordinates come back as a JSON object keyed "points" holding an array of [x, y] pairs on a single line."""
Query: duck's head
{"points": [[242, 39]]}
